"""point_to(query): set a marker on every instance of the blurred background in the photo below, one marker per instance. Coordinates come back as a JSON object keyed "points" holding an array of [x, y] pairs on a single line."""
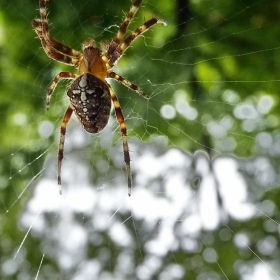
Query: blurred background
{"points": [[205, 147]]}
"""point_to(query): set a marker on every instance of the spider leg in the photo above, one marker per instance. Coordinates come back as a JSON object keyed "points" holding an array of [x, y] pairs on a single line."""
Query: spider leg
{"points": [[50, 50], [119, 51], [57, 78], [126, 83], [66, 119], [140, 30], [122, 30], [45, 28], [122, 124], [53, 48]]}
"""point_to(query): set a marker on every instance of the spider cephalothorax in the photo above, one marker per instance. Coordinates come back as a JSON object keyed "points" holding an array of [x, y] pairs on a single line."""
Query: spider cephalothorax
{"points": [[90, 94]]}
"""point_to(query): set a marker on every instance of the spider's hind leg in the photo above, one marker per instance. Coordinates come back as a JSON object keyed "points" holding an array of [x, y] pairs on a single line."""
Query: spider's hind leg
{"points": [[65, 121], [122, 124]]}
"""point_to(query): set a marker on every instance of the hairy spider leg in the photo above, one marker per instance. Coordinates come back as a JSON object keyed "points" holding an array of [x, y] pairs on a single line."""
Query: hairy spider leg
{"points": [[57, 78], [119, 78], [120, 118], [66, 119], [122, 30], [53, 48], [51, 52], [45, 29], [112, 58], [140, 30]]}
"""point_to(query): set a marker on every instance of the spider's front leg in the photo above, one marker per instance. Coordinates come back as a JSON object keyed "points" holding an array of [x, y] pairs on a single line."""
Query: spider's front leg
{"points": [[122, 30], [54, 49], [116, 52]]}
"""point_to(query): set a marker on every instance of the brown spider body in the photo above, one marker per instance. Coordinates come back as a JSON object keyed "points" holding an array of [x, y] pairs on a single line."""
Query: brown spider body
{"points": [[90, 94], [90, 100]]}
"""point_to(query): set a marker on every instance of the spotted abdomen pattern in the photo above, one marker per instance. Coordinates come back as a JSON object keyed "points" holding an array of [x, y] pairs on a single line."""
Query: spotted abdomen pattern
{"points": [[90, 99]]}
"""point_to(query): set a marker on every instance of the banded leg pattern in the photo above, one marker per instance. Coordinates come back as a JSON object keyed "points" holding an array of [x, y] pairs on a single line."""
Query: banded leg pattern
{"points": [[57, 78], [66, 119], [120, 119], [126, 83]]}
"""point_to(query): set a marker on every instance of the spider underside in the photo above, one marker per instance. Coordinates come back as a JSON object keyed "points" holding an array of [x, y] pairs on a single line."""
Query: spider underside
{"points": [[90, 94]]}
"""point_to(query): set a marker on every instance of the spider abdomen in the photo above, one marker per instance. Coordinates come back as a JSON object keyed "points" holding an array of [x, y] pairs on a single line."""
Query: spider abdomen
{"points": [[90, 99]]}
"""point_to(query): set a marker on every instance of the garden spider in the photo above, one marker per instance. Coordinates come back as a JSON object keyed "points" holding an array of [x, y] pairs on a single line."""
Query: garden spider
{"points": [[90, 94]]}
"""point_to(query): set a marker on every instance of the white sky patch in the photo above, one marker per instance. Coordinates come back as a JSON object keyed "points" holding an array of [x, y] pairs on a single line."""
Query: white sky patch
{"points": [[260, 272], [209, 211], [20, 119], [233, 189], [173, 206], [183, 107], [46, 129], [265, 104], [245, 111], [168, 111]]}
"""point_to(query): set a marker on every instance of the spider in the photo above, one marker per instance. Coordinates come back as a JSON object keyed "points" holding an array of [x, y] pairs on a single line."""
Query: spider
{"points": [[90, 94]]}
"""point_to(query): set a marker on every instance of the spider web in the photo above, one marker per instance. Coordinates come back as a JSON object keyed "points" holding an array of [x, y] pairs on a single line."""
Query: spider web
{"points": [[204, 148]]}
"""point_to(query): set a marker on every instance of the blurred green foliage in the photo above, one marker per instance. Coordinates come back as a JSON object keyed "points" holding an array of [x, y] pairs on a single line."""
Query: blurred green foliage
{"points": [[218, 69]]}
